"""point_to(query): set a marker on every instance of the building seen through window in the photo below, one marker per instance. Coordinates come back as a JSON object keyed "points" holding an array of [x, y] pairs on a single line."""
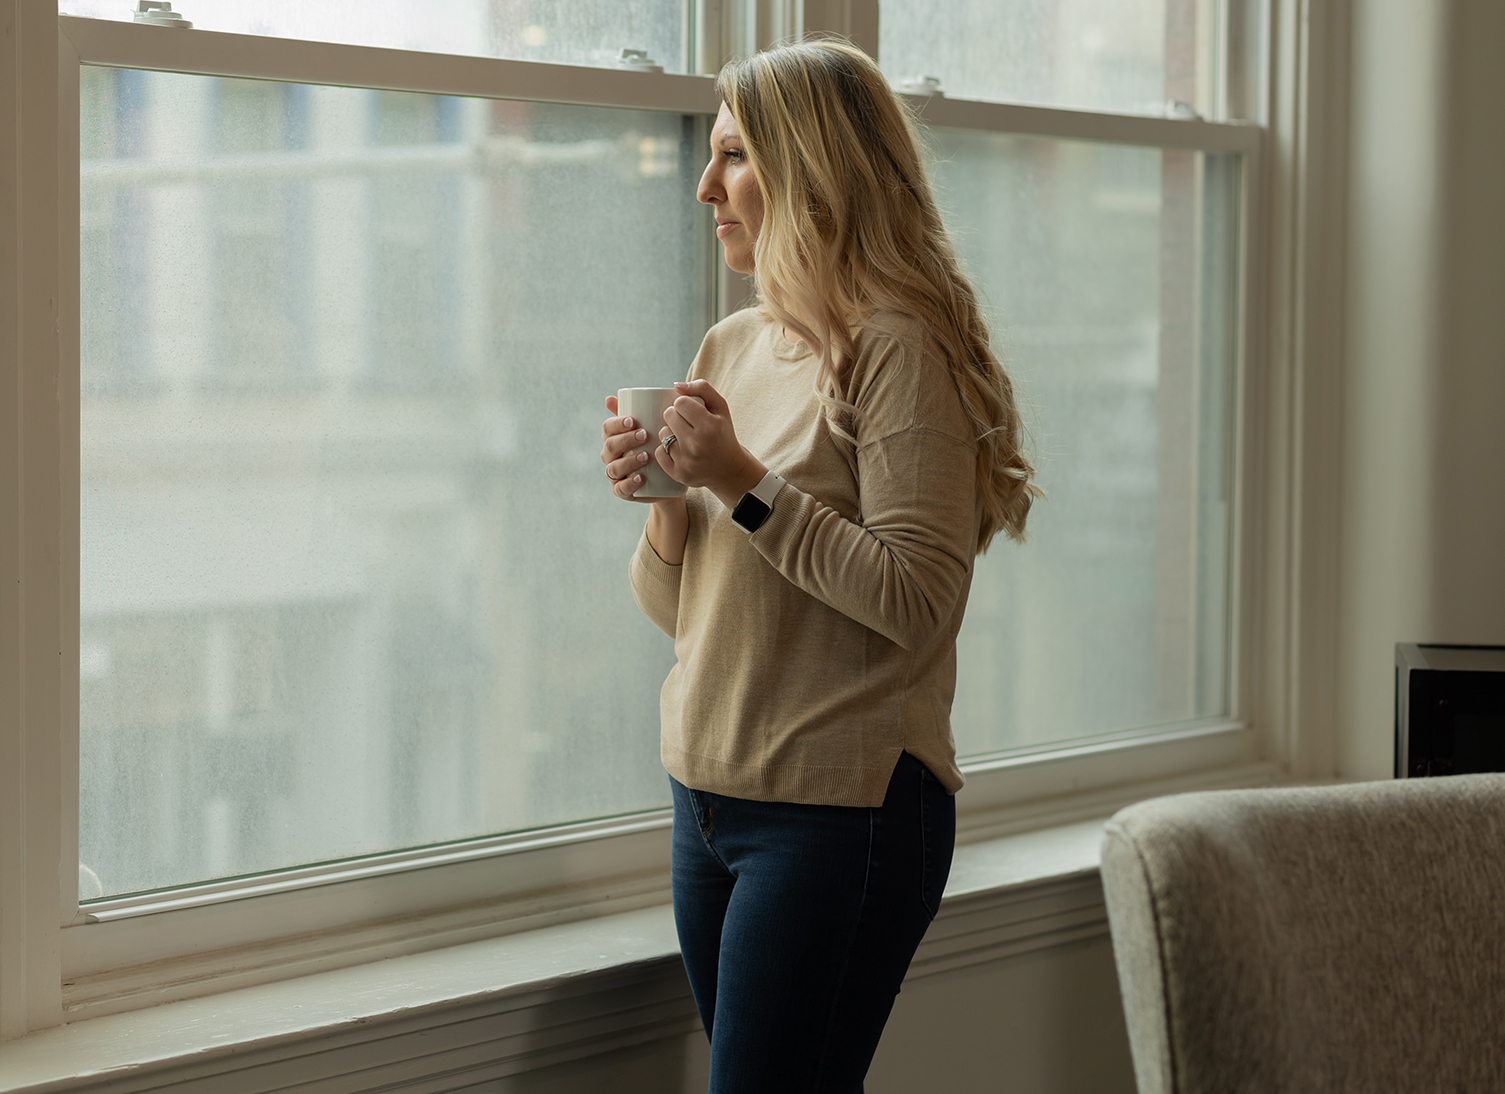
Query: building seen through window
{"points": [[348, 581]]}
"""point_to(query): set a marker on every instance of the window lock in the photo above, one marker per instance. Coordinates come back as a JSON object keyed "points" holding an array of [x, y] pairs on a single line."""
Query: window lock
{"points": [[929, 86], [639, 61], [159, 13]]}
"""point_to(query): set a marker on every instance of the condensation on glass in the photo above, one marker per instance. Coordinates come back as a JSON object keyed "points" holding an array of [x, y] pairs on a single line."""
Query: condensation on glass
{"points": [[577, 32], [350, 576], [1127, 56], [1108, 274]]}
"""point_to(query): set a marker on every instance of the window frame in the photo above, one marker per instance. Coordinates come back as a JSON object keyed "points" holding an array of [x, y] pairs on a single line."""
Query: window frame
{"points": [[118, 955]]}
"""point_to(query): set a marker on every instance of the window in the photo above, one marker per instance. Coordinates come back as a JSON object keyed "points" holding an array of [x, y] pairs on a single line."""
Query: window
{"points": [[1111, 273], [1111, 269], [341, 638], [348, 583]]}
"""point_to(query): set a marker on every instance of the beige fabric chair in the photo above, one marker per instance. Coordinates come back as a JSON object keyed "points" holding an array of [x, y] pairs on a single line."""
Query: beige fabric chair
{"points": [[1343, 938]]}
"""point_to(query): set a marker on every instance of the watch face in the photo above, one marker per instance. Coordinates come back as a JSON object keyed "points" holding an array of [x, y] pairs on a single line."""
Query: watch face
{"points": [[750, 513]]}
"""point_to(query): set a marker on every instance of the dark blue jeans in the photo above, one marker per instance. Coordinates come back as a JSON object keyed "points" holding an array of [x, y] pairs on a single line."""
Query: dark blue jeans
{"points": [[797, 923]]}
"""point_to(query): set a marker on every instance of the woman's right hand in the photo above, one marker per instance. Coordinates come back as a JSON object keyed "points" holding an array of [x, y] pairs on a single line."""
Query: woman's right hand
{"points": [[668, 520], [619, 436]]}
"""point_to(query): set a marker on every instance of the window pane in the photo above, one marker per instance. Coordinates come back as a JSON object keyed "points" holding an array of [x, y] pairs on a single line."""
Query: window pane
{"points": [[576, 32], [350, 576], [1132, 56], [1109, 274]]}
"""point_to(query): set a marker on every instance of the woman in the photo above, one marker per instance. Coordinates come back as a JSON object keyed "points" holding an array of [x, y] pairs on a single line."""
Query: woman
{"points": [[814, 577]]}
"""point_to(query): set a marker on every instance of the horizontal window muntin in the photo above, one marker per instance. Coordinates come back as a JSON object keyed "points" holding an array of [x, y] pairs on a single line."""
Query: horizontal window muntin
{"points": [[1022, 119], [210, 53], [365, 867], [980, 764]]}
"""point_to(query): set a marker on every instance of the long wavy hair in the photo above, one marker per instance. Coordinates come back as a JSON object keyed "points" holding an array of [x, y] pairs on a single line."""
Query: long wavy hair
{"points": [[850, 229]]}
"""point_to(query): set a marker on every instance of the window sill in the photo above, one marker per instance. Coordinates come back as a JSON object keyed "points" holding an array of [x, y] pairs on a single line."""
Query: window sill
{"points": [[506, 1005]]}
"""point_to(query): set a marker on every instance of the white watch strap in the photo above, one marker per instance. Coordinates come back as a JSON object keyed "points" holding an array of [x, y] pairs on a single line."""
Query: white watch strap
{"points": [[768, 489]]}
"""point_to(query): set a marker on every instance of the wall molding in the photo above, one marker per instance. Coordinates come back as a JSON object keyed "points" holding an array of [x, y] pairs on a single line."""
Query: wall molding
{"points": [[979, 928], [443, 1049], [1299, 340], [34, 629]]}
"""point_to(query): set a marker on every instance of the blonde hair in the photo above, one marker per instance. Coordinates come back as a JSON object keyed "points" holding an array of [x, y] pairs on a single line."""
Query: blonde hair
{"points": [[850, 229]]}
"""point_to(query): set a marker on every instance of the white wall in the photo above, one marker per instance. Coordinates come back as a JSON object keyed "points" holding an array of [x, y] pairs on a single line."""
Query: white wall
{"points": [[1423, 510], [1468, 525], [1043, 1022]]}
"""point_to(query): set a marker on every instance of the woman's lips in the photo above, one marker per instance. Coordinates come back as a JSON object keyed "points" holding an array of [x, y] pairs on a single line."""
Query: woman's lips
{"points": [[723, 227]]}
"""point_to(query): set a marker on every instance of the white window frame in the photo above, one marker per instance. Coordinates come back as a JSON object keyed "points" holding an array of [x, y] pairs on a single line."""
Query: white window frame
{"points": [[58, 963]]}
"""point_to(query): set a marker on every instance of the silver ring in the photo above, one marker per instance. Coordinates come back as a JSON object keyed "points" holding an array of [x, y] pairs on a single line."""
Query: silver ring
{"points": [[609, 475], [668, 442]]}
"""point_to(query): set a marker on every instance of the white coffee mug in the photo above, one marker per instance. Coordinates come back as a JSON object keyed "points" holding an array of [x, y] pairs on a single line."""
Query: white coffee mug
{"points": [[646, 406]]}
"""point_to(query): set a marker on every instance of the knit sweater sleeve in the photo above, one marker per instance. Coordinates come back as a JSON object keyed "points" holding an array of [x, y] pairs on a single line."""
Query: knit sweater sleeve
{"points": [[655, 583], [898, 568], [655, 586]]}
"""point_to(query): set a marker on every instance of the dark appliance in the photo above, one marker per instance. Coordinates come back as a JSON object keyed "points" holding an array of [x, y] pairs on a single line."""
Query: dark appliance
{"points": [[1449, 709]]}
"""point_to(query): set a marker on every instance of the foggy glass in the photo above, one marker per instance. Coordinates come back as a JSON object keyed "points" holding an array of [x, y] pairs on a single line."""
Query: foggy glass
{"points": [[1107, 275], [1130, 56], [351, 579], [578, 32]]}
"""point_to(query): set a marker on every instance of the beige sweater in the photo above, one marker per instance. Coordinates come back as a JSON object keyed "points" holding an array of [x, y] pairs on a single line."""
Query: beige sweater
{"points": [[813, 651]]}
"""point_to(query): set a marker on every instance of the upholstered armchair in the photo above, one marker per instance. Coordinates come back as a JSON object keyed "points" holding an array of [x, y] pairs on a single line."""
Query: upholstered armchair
{"points": [[1338, 938]]}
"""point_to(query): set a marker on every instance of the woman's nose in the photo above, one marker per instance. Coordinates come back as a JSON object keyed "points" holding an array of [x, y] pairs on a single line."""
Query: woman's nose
{"points": [[709, 191]]}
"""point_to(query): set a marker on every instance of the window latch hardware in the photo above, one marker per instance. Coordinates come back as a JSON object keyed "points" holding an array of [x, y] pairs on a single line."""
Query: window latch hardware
{"points": [[639, 61], [929, 86], [159, 13], [1182, 111]]}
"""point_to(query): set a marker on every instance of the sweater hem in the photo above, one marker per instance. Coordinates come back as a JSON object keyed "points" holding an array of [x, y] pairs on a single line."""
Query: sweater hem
{"points": [[853, 786]]}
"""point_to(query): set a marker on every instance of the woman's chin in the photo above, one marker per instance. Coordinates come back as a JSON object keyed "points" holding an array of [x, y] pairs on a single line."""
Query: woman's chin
{"points": [[738, 263]]}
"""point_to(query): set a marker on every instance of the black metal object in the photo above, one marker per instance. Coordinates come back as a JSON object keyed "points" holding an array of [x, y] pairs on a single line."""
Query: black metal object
{"points": [[1449, 709]]}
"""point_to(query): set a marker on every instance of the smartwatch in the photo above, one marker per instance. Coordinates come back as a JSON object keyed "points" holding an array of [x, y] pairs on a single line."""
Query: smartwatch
{"points": [[757, 503]]}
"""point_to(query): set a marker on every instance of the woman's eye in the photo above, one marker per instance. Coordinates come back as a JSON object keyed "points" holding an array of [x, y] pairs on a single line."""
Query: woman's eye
{"points": [[734, 154]]}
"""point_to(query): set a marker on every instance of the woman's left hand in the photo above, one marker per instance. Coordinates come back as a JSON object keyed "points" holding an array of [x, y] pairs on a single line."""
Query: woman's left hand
{"points": [[706, 451]]}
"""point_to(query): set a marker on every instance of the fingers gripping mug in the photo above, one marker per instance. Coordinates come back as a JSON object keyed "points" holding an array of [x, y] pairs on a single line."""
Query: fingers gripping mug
{"points": [[646, 406]]}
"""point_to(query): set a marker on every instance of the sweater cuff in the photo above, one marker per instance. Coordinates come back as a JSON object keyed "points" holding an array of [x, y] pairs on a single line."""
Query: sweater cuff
{"points": [[783, 520], [661, 570], [655, 585]]}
